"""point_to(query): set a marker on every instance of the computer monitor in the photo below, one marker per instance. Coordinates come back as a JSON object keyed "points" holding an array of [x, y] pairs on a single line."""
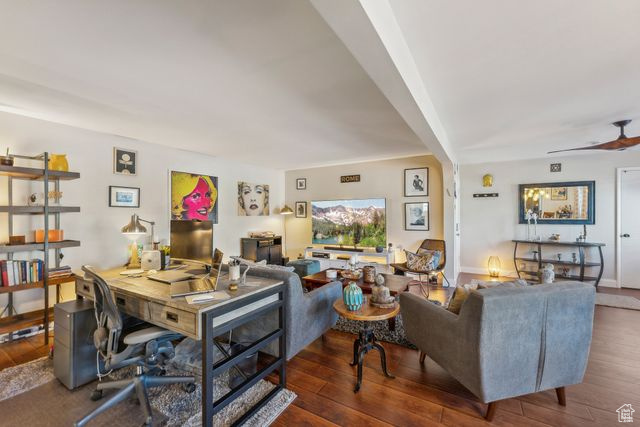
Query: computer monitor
{"points": [[192, 240]]}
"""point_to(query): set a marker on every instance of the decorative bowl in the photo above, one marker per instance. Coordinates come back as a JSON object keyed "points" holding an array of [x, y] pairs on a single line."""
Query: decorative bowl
{"points": [[351, 274]]}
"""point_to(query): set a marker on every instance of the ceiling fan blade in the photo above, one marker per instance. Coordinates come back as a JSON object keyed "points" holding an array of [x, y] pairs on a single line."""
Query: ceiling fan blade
{"points": [[618, 144]]}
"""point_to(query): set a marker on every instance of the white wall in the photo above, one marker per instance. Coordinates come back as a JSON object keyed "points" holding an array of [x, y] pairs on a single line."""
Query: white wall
{"points": [[488, 225], [97, 225], [378, 179]]}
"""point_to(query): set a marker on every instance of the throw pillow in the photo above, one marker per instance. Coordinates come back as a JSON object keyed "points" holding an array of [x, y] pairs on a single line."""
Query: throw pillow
{"points": [[420, 263], [459, 297], [437, 255]]}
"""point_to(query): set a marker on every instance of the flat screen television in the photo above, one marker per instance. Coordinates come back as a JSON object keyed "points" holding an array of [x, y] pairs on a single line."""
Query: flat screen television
{"points": [[358, 222]]}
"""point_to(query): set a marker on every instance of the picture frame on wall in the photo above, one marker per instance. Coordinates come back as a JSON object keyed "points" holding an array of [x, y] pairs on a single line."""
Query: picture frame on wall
{"points": [[124, 197], [559, 193], [301, 184], [416, 182], [301, 209], [416, 216], [125, 161], [193, 197]]}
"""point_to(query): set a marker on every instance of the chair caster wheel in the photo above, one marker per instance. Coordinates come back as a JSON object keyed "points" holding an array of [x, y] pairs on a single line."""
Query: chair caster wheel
{"points": [[189, 387], [96, 395]]}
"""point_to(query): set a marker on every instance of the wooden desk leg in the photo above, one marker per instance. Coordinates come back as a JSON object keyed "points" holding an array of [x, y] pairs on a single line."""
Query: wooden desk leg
{"points": [[391, 323]]}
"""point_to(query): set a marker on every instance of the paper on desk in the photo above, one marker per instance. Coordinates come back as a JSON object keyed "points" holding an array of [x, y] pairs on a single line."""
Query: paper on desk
{"points": [[208, 297]]}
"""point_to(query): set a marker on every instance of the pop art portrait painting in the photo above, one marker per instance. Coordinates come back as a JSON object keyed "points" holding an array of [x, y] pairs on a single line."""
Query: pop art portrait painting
{"points": [[194, 197]]}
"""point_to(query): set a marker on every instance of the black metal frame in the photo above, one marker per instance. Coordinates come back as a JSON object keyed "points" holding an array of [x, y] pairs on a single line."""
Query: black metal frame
{"points": [[209, 369], [366, 342], [582, 263]]}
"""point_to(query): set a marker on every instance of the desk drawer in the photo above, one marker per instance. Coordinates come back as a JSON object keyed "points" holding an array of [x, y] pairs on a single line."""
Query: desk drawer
{"points": [[84, 288], [173, 318], [132, 306]]}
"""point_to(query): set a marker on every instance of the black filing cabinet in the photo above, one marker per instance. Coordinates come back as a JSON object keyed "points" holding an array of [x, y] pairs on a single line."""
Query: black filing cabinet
{"points": [[258, 249], [74, 355]]}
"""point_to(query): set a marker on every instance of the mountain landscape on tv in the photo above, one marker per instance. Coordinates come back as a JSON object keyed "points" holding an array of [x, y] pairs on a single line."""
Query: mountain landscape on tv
{"points": [[349, 222]]}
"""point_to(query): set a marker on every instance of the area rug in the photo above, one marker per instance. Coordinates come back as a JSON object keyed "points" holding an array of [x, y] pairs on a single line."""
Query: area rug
{"points": [[23, 385], [618, 301], [380, 329]]}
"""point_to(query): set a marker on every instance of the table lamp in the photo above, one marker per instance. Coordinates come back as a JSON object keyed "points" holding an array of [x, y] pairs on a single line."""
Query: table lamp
{"points": [[134, 230]]}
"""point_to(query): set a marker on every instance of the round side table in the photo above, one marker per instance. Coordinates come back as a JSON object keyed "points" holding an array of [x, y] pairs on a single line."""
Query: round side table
{"points": [[366, 339]]}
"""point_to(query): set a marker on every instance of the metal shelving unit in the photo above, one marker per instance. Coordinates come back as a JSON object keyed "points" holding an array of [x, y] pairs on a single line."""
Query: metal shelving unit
{"points": [[14, 321], [581, 263]]}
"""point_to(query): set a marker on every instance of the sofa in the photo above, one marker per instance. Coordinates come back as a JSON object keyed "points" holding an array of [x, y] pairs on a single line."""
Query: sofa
{"points": [[507, 342], [309, 315]]}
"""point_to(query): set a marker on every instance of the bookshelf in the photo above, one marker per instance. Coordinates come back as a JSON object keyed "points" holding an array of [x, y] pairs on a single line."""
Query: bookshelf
{"points": [[10, 319]]}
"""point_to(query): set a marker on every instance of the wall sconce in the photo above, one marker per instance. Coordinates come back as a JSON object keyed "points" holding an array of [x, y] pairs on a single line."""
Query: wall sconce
{"points": [[487, 180], [494, 266]]}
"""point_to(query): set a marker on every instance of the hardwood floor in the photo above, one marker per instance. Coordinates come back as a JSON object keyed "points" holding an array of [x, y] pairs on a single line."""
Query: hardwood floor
{"points": [[426, 395]]}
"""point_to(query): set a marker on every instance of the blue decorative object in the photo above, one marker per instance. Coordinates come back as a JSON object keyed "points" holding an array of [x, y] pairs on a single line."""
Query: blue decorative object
{"points": [[305, 267], [352, 296]]}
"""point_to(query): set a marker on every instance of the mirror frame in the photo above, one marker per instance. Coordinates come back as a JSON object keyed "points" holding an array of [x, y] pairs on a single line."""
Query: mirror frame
{"points": [[591, 205]]}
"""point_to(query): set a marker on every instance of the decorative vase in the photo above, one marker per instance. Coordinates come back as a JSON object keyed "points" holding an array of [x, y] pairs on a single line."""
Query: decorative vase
{"points": [[547, 275], [369, 273], [352, 296], [58, 162]]}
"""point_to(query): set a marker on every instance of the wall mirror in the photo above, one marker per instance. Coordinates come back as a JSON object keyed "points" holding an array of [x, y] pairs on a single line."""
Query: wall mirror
{"points": [[559, 202]]}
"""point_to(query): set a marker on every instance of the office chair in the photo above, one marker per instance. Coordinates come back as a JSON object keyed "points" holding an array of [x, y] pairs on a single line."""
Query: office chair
{"points": [[146, 348]]}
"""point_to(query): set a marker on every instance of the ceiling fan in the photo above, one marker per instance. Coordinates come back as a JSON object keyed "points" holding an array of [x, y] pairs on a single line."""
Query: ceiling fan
{"points": [[622, 143]]}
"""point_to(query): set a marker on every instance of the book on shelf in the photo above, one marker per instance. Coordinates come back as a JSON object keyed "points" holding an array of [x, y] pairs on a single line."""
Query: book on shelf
{"points": [[21, 272]]}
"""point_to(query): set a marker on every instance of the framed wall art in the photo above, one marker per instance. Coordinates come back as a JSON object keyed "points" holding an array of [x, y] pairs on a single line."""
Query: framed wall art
{"points": [[416, 182], [124, 197], [125, 162], [416, 216], [301, 209], [194, 197]]}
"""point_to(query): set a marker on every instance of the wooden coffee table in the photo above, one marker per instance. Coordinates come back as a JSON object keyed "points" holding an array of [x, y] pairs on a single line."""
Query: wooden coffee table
{"points": [[396, 284], [366, 338]]}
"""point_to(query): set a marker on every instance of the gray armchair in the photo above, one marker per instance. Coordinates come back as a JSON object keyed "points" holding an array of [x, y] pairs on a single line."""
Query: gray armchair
{"points": [[309, 315], [507, 342]]}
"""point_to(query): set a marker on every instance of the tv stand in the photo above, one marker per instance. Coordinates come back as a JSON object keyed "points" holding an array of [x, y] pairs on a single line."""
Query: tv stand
{"points": [[342, 249], [332, 254]]}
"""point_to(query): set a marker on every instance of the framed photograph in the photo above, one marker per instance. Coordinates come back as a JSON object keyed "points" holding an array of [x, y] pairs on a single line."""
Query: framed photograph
{"points": [[558, 193], [416, 216], [301, 184], [416, 182], [125, 161], [194, 197], [301, 209], [253, 199], [124, 197]]}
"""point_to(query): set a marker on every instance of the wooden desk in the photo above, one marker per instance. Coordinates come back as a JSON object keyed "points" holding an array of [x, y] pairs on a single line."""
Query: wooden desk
{"points": [[150, 301]]}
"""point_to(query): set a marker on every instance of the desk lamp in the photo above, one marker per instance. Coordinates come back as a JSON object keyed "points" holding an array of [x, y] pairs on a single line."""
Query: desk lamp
{"points": [[134, 230]]}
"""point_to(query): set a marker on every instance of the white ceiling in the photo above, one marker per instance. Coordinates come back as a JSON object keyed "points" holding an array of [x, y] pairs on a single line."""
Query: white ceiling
{"points": [[515, 79], [268, 82]]}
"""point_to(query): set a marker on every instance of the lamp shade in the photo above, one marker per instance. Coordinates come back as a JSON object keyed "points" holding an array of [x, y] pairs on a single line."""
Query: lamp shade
{"points": [[134, 227], [286, 210], [493, 266]]}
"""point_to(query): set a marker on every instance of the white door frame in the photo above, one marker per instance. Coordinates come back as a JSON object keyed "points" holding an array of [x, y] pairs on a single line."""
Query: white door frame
{"points": [[619, 221]]}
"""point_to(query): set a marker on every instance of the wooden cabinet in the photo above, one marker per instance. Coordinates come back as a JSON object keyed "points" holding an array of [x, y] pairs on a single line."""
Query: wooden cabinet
{"points": [[258, 249]]}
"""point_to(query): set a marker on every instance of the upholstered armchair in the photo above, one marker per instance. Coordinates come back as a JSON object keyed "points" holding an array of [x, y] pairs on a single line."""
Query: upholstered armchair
{"points": [[432, 245], [507, 342], [309, 315]]}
